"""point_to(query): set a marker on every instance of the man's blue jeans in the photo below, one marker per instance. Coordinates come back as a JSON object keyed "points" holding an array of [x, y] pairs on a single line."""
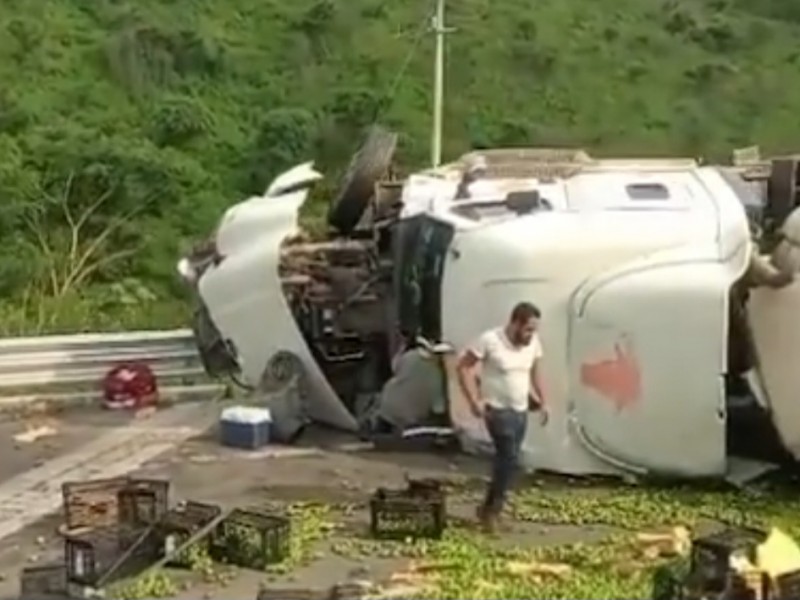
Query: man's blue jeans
{"points": [[507, 429]]}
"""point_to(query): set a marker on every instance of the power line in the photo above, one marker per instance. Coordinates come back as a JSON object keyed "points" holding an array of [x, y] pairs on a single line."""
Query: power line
{"points": [[418, 35]]}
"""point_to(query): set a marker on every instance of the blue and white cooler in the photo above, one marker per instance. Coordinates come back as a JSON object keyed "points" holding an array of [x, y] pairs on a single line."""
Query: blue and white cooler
{"points": [[246, 427]]}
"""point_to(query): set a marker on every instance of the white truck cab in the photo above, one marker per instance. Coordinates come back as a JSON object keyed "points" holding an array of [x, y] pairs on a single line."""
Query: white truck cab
{"points": [[638, 266]]}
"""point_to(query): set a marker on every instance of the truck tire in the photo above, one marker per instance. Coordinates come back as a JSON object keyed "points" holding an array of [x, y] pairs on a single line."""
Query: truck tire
{"points": [[285, 382], [367, 166]]}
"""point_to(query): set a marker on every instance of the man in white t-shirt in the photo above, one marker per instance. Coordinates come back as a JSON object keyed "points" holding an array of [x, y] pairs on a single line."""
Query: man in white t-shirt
{"points": [[500, 377]]}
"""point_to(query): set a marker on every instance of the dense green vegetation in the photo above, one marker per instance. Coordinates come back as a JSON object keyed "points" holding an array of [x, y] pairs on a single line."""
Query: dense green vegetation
{"points": [[127, 127]]}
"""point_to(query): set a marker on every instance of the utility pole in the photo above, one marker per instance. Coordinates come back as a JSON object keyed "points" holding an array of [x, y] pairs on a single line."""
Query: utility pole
{"points": [[438, 84]]}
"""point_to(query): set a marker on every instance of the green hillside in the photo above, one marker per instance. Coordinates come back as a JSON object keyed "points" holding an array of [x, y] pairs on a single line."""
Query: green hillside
{"points": [[159, 114]]}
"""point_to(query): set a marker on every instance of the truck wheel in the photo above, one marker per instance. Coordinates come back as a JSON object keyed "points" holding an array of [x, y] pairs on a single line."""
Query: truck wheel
{"points": [[283, 369], [285, 381], [366, 168]]}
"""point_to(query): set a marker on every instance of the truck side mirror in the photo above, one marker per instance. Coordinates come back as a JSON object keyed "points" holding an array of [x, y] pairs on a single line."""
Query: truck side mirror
{"points": [[523, 203]]}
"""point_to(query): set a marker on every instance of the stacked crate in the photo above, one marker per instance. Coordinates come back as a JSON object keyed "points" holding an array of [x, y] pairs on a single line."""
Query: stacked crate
{"points": [[108, 526]]}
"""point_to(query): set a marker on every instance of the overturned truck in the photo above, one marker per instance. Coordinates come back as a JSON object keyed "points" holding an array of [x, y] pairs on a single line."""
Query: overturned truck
{"points": [[670, 322]]}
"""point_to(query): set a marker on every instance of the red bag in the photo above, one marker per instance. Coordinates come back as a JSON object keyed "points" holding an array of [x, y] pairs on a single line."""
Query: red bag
{"points": [[130, 385]]}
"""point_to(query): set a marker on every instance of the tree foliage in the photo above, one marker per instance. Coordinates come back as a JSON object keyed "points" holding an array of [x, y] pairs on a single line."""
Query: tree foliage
{"points": [[143, 121]]}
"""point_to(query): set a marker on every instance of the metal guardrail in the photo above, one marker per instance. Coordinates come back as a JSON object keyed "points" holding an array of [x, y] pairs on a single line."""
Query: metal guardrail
{"points": [[69, 368]]}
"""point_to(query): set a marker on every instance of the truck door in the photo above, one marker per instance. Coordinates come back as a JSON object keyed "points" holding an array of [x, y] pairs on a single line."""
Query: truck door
{"points": [[421, 246], [646, 359]]}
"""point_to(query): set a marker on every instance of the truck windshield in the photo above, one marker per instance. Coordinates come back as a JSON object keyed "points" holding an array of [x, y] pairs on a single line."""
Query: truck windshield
{"points": [[421, 245]]}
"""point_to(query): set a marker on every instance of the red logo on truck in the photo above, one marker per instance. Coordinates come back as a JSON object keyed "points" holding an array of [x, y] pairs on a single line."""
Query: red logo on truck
{"points": [[619, 378]]}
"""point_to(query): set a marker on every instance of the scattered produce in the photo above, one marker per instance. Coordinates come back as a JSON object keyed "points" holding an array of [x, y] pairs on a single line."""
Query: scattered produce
{"points": [[644, 533], [310, 522], [152, 585], [620, 566], [197, 559]]}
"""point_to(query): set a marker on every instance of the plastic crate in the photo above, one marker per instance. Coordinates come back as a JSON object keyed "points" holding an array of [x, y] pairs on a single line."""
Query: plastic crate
{"points": [[710, 557], [103, 503], [420, 511], [43, 581], [251, 539], [91, 554], [92, 503], [180, 524], [143, 502]]}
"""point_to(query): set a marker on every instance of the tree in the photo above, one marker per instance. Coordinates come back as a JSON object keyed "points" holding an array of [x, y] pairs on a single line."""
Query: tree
{"points": [[285, 137]]}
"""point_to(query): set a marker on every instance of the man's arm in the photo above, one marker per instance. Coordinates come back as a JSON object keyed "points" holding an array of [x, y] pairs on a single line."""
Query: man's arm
{"points": [[763, 273], [538, 399], [467, 371], [537, 389]]}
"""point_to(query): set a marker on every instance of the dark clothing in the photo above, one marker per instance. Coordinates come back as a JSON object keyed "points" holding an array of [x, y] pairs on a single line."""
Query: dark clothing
{"points": [[507, 429]]}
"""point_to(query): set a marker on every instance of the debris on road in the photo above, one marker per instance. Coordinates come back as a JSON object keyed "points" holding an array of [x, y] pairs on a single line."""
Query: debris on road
{"points": [[538, 569], [405, 584], [145, 413], [676, 542], [130, 385], [778, 555], [33, 434]]}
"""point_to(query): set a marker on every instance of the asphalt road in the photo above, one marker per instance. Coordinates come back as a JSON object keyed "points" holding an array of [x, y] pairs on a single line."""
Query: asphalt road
{"points": [[180, 444], [72, 431]]}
